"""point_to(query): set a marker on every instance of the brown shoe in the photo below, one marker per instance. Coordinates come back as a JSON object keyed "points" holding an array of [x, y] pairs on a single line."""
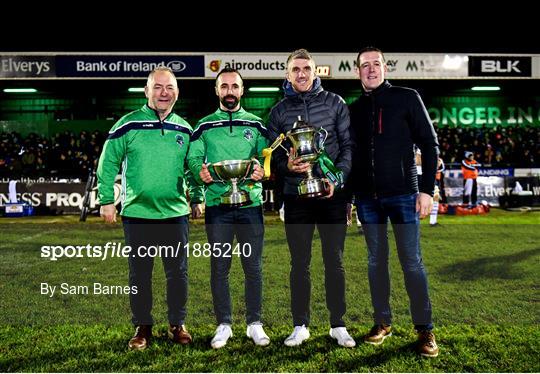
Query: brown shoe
{"points": [[377, 334], [141, 339], [179, 334], [427, 346]]}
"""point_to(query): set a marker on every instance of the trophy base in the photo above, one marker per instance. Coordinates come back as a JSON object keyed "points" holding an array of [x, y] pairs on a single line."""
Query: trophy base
{"points": [[309, 188], [235, 200]]}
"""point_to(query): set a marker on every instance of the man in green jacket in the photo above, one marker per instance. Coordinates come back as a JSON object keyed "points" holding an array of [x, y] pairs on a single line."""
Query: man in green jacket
{"points": [[231, 133], [151, 144]]}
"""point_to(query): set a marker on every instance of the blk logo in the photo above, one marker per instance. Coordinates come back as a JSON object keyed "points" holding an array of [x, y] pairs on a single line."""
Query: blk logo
{"points": [[496, 66], [513, 66]]}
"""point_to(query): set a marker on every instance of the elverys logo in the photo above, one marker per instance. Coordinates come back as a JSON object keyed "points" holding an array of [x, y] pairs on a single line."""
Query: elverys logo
{"points": [[176, 66]]}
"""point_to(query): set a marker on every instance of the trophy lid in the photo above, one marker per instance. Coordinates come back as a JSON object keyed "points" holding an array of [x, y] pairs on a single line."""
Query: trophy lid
{"points": [[300, 123], [300, 126]]}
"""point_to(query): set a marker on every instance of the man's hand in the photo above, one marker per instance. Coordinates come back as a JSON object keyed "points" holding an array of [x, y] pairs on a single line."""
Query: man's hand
{"points": [[296, 165], [108, 212], [424, 203], [330, 190], [196, 210], [204, 174], [349, 214], [258, 172]]}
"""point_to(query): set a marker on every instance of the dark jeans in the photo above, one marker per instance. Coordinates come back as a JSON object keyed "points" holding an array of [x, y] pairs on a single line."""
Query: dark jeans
{"points": [[222, 225], [330, 217], [374, 215], [162, 232]]}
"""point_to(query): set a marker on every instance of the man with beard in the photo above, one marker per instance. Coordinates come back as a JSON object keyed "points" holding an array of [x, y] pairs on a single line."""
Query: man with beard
{"points": [[231, 133], [154, 206]]}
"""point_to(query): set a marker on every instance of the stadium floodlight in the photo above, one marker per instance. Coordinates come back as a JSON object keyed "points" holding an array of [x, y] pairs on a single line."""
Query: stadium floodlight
{"points": [[263, 89], [136, 89], [20, 90], [486, 88], [454, 63]]}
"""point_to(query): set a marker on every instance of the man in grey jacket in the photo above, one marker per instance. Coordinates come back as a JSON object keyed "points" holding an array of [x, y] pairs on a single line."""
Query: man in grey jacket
{"points": [[305, 97]]}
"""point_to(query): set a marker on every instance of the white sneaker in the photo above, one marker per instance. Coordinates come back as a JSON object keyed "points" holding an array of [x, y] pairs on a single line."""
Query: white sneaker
{"points": [[342, 336], [223, 333], [256, 332], [298, 336], [282, 213]]}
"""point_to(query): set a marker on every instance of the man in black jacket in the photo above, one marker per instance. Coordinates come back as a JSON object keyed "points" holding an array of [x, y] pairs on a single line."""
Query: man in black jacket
{"points": [[386, 123], [305, 97]]}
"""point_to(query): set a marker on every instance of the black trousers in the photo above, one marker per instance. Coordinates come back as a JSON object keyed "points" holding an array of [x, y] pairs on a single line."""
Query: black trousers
{"points": [[141, 235], [330, 218]]}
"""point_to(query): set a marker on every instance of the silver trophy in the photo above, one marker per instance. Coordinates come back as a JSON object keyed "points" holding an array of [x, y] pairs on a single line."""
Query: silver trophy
{"points": [[233, 172], [308, 144]]}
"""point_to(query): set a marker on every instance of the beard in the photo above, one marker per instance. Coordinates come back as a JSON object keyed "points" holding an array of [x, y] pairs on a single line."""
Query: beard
{"points": [[230, 104]]}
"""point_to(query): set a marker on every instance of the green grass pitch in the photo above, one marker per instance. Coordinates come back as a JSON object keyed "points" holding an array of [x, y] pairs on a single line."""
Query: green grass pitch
{"points": [[483, 273]]}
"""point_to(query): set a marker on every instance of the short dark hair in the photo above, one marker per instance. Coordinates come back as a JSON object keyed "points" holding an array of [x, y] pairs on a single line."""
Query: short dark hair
{"points": [[368, 49], [300, 53], [229, 70]]}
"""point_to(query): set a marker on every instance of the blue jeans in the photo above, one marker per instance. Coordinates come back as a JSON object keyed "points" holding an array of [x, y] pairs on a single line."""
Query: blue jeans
{"points": [[154, 232], [222, 225], [374, 215]]}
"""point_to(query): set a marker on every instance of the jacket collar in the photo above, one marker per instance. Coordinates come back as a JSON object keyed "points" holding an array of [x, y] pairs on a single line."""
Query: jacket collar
{"points": [[152, 112], [291, 93], [383, 86], [222, 113]]}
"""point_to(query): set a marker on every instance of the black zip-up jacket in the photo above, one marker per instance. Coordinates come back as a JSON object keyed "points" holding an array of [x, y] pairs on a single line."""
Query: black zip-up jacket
{"points": [[319, 108], [386, 123]]}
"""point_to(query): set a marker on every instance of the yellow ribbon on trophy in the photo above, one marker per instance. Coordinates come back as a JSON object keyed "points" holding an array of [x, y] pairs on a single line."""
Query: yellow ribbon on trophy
{"points": [[267, 154]]}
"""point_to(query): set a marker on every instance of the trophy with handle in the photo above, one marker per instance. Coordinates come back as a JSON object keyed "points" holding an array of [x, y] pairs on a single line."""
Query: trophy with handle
{"points": [[233, 172], [308, 145]]}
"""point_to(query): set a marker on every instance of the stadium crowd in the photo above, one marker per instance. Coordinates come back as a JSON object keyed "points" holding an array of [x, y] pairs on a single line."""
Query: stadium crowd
{"points": [[492, 147], [70, 155], [64, 155]]}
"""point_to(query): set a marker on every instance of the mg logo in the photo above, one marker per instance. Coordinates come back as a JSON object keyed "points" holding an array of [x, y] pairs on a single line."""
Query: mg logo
{"points": [[411, 65], [345, 66], [496, 66], [176, 66]]}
